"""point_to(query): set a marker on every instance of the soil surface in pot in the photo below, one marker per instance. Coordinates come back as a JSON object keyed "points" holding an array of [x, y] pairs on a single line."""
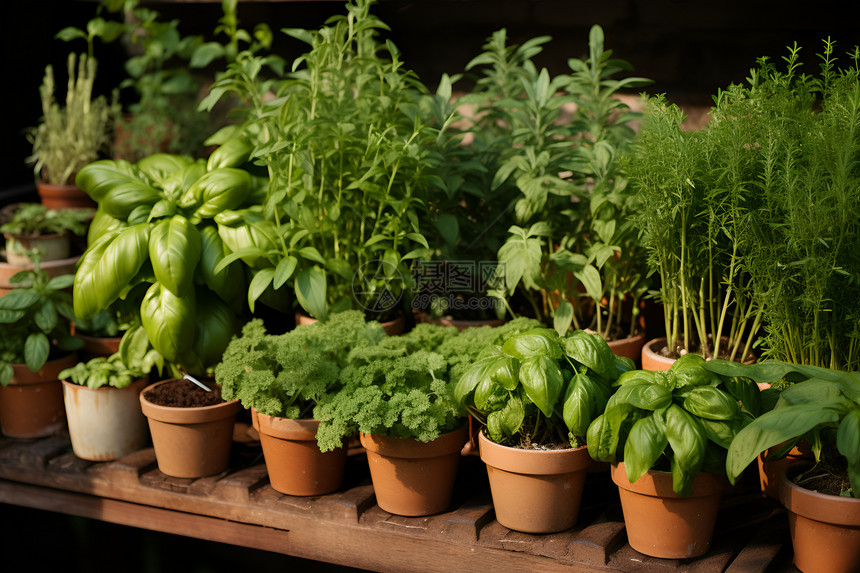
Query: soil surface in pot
{"points": [[829, 477], [183, 394]]}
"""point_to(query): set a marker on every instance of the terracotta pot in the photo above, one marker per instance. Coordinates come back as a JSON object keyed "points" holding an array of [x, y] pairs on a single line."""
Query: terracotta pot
{"points": [[392, 327], [63, 196], [630, 347], [51, 268], [295, 463], [107, 423], [651, 359], [412, 478], [769, 471], [95, 346], [825, 529], [54, 247], [461, 325], [31, 406], [191, 442], [535, 491], [659, 522]]}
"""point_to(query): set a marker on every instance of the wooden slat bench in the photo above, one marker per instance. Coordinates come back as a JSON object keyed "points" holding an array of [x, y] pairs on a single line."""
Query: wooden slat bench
{"points": [[239, 507]]}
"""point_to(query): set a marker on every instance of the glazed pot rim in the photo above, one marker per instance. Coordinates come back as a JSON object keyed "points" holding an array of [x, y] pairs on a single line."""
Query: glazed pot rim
{"points": [[533, 462], [655, 483], [826, 508], [186, 414], [445, 444]]}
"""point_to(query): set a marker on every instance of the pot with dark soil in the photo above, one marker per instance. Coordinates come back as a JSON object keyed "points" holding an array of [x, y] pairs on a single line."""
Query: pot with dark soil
{"points": [[192, 429]]}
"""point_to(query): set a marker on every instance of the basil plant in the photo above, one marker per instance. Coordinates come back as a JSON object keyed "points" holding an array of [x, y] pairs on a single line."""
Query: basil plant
{"points": [[154, 236], [536, 387], [682, 421]]}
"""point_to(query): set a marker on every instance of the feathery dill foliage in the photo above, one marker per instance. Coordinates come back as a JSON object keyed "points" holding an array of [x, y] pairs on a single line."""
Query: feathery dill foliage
{"points": [[283, 375], [403, 385], [805, 262]]}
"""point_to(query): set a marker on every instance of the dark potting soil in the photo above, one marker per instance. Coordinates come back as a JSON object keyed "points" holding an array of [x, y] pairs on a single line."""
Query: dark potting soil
{"points": [[829, 477], [183, 394]]}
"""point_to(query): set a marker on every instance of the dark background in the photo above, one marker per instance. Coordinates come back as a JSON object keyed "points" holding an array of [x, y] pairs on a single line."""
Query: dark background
{"points": [[690, 48]]}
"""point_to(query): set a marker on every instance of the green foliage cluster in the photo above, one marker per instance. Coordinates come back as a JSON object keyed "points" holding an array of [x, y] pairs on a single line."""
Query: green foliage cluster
{"points": [[34, 321], [284, 375], [72, 135], [822, 406], [344, 147], [682, 421], [571, 206], [534, 387], [33, 219], [403, 385]]}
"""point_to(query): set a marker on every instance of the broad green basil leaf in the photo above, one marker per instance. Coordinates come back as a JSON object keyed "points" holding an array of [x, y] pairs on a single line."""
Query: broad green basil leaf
{"points": [[689, 370], [232, 153], [84, 292], [848, 443], [642, 395], [712, 403], [583, 399], [645, 443], [504, 370], [36, 350], [169, 321], [46, 316], [97, 178], [542, 380], [228, 282], [720, 432], [746, 392], [506, 422], [810, 392], [563, 318], [174, 250], [114, 271], [101, 224], [634, 377], [777, 426], [687, 439], [122, 199], [623, 364], [604, 432], [161, 166], [310, 286], [488, 394], [222, 189], [284, 271], [592, 351], [536, 342], [19, 299], [682, 478], [215, 326], [478, 371]]}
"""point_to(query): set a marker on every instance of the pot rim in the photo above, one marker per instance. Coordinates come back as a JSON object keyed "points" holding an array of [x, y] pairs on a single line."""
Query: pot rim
{"points": [[48, 373], [445, 444], [822, 507], [186, 415], [73, 386], [293, 429], [659, 484], [533, 462]]}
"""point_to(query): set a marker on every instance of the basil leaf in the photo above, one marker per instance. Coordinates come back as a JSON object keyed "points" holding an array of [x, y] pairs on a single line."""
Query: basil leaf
{"points": [[536, 342], [592, 351], [174, 250], [541, 378], [645, 443], [711, 403], [169, 321], [687, 439]]}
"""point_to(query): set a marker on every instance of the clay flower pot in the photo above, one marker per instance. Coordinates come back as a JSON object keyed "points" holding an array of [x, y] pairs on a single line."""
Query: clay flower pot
{"points": [[295, 463], [412, 478], [825, 529], [391, 328], [106, 423], [652, 359], [769, 471], [630, 347], [52, 268], [31, 406], [63, 196], [54, 247], [190, 442], [535, 491], [95, 346], [460, 324], [659, 522]]}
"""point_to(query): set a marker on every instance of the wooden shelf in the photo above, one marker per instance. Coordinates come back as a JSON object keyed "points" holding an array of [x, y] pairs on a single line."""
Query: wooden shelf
{"points": [[239, 507]]}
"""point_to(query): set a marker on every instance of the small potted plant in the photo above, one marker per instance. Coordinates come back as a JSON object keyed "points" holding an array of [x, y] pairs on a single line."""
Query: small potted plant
{"points": [[102, 403], [35, 345], [666, 434], [34, 226], [398, 395], [535, 394], [71, 136], [822, 407], [280, 378]]}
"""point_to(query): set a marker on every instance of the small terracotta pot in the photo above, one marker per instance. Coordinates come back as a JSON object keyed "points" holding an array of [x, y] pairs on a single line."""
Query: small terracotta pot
{"points": [[652, 359], [659, 522], [107, 423], [769, 471], [391, 328], [96, 346], [63, 196], [295, 463], [630, 347], [825, 529], [31, 406], [191, 442], [51, 268], [535, 491], [412, 478], [54, 247]]}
